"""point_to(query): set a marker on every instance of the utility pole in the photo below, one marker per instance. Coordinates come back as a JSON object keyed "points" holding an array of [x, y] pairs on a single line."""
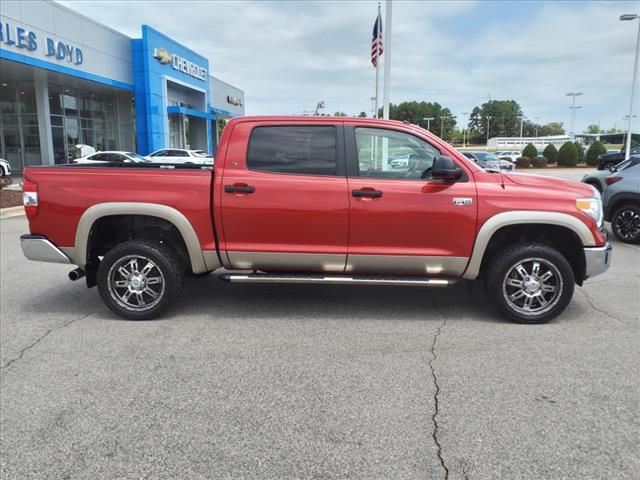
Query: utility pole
{"points": [[387, 62], [464, 130], [573, 113], [627, 150], [488, 118]]}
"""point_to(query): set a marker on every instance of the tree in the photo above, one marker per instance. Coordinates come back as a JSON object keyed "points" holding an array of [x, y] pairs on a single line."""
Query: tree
{"points": [[580, 151], [595, 150], [415, 112], [568, 155], [550, 153], [593, 128], [362, 115], [552, 128], [339, 114], [501, 116], [530, 151]]}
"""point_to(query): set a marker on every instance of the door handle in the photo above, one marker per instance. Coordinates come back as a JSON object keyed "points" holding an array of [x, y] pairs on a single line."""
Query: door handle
{"points": [[238, 188], [366, 193]]}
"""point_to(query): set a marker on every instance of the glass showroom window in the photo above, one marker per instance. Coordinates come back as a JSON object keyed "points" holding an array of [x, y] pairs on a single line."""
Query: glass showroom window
{"points": [[19, 134]]}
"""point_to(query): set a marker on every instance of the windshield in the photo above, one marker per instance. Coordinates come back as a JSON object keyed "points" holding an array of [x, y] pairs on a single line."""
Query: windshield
{"points": [[200, 153]]}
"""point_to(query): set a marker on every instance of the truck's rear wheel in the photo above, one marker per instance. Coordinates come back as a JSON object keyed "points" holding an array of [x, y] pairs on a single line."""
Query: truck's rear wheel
{"points": [[530, 283], [140, 280]]}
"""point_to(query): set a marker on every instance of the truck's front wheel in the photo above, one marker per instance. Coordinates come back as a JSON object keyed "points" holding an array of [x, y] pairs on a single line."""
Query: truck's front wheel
{"points": [[140, 280], [530, 283]]}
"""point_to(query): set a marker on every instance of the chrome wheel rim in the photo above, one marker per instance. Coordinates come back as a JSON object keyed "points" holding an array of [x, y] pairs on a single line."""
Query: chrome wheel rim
{"points": [[627, 224], [532, 286], [136, 283]]}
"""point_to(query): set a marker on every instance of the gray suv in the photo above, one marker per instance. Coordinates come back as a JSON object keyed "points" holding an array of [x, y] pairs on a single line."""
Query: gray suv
{"points": [[622, 204]]}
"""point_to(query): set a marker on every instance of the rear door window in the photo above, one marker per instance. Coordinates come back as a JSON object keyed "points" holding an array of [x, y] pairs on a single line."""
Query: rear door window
{"points": [[302, 150]]}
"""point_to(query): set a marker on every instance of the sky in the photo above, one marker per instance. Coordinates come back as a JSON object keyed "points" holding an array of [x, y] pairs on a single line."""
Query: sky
{"points": [[288, 55]]}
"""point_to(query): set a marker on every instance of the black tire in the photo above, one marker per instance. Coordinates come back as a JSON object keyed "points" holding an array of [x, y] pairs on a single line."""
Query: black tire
{"points": [[625, 223], [164, 278], [502, 274]]}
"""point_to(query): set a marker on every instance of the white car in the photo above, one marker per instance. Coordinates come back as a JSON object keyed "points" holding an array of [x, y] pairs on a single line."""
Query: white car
{"points": [[5, 168], [510, 155], [112, 157], [180, 155], [401, 161]]}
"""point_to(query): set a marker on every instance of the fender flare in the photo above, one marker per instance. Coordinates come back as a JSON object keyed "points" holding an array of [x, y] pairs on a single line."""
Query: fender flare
{"points": [[78, 254], [505, 219]]}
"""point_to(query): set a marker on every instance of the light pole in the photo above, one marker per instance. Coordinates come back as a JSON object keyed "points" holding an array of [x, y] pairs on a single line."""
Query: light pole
{"points": [[488, 118], [464, 131], [536, 123], [623, 18], [573, 113], [428, 119], [522, 118]]}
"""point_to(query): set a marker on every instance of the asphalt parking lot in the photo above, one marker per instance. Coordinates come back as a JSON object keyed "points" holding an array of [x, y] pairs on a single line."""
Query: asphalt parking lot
{"points": [[254, 381]]}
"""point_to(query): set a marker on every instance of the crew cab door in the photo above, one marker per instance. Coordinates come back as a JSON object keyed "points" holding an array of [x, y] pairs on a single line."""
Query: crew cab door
{"points": [[284, 198], [401, 221]]}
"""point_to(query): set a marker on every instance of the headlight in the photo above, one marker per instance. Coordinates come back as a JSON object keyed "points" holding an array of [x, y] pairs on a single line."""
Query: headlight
{"points": [[592, 207]]}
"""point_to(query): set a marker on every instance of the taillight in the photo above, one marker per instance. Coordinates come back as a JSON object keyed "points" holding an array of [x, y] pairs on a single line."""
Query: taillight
{"points": [[612, 179], [30, 198]]}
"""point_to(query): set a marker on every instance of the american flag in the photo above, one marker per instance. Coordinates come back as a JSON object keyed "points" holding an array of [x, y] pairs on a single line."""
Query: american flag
{"points": [[376, 40]]}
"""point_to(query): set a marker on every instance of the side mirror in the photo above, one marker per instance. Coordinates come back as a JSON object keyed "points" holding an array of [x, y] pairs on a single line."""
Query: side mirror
{"points": [[444, 168]]}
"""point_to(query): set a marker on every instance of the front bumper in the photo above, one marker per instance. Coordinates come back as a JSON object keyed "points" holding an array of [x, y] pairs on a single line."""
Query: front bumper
{"points": [[597, 260], [40, 249]]}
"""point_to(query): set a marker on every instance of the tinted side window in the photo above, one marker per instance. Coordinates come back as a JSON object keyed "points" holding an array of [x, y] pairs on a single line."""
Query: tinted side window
{"points": [[161, 153], [391, 154], [97, 156], [307, 150]]}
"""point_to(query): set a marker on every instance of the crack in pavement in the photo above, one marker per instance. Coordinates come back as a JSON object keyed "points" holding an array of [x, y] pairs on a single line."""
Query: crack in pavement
{"points": [[604, 312], [434, 419], [41, 338]]}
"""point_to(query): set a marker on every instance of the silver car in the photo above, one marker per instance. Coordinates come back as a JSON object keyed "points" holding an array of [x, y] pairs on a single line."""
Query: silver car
{"points": [[596, 178], [489, 161]]}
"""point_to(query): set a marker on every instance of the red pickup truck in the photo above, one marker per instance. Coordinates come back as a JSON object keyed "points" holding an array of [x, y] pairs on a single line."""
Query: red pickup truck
{"points": [[318, 200]]}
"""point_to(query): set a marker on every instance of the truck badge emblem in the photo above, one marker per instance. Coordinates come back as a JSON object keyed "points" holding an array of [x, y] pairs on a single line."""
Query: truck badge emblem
{"points": [[462, 201]]}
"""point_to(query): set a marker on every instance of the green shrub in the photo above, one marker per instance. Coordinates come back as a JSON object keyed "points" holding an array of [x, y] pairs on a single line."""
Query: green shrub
{"points": [[580, 151], [568, 155], [540, 162], [595, 150], [530, 151], [551, 153], [523, 162]]}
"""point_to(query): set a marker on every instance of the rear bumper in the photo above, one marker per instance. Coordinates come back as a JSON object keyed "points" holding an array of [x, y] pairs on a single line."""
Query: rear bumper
{"points": [[40, 249], [597, 260]]}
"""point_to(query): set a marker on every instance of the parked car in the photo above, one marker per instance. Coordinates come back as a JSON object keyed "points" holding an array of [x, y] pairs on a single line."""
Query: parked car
{"points": [[597, 177], [622, 203], [112, 157], [180, 155], [510, 155], [401, 161], [284, 204], [5, 168], [490, 161], [607, 160]]}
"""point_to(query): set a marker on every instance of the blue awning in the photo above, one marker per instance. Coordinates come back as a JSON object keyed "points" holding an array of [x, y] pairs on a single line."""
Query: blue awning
{"points": [[191, 112]]}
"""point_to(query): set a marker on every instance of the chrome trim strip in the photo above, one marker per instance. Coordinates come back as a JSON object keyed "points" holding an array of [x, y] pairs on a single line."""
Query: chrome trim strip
{"points": [[597, 260], [406, 265], [335, 280], [519, 217], [318, 262], [40, 249]]}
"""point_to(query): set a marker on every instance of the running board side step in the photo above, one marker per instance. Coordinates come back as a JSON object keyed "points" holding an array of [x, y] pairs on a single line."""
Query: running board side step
{"points": [[336, 279]]}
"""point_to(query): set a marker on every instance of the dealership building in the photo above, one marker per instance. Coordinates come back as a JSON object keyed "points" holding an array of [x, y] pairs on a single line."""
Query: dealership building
{"points": [[67, 80]]}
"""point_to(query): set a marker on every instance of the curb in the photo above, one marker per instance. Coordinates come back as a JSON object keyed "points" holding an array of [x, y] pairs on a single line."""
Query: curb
{"points": [[11, 212]]}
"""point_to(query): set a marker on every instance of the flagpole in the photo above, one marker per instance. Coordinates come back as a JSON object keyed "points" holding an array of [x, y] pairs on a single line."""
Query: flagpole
{"points": [[378, 60], [386, 85]]}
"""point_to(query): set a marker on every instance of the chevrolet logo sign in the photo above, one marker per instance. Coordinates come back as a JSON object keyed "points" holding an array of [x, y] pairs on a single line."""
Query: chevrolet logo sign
{"points": [[162, 55]]}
